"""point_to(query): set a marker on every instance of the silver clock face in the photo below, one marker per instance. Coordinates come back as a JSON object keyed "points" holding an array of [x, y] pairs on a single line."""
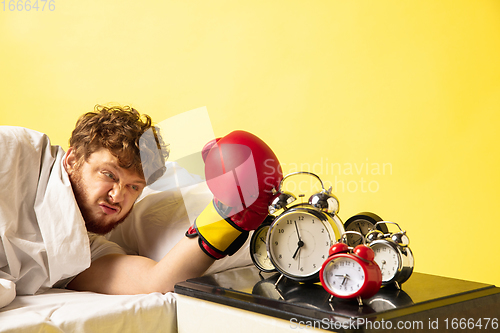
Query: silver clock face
{"points": [[259, 250], [387, 258], [344, 276], [298, 243], [360, 225]]}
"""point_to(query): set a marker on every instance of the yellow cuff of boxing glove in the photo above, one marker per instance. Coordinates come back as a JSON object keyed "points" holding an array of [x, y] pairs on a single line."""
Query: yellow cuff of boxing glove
{"points": [[219, 236]]}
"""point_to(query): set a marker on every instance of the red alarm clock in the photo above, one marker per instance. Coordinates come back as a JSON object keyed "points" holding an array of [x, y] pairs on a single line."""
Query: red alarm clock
{"points": [[351, 273]]}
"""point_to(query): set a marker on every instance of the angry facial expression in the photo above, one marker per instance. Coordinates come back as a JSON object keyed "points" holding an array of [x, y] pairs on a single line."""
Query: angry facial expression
{"points": [[104, 191]]}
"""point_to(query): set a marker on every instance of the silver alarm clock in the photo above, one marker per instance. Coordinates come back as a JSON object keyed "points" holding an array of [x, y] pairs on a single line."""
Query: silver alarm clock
{"points": [[301, 234], [392, 254]]}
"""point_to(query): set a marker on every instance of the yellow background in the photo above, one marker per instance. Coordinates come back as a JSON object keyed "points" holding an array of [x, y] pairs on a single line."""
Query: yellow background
{"points": [[330, 84]]}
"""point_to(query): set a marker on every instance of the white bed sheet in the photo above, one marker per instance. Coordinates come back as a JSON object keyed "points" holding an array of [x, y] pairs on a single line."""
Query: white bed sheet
{"points": [[157, 222], [59, 310]]}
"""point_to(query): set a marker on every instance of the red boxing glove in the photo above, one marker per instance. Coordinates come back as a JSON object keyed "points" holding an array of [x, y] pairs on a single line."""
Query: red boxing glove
{"points": [[241, 172]]}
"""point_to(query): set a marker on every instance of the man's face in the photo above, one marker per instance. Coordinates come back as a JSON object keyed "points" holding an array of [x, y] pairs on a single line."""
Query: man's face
{"points": [[104, 191]]}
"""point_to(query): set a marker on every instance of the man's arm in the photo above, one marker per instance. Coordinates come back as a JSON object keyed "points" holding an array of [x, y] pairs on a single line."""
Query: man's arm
{"points": [[127, 274]]}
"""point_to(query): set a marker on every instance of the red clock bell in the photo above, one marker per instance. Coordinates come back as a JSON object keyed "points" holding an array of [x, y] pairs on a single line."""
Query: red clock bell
{"points": [[351, 273]]}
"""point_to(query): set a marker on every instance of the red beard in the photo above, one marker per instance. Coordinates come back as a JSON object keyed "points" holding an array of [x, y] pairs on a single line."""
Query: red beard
{"points": [[92, 223]]}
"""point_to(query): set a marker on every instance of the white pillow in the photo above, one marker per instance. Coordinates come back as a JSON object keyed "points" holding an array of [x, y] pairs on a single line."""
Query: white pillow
{"points": [[7, 292], [162, 215]]}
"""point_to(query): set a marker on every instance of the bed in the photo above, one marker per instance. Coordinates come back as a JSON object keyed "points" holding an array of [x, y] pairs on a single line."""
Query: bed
{"points": [[158, 221], [60, 310]]}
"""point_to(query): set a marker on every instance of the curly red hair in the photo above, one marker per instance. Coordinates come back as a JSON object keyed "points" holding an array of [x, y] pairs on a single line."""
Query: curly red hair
{"points": [[128, 135]]}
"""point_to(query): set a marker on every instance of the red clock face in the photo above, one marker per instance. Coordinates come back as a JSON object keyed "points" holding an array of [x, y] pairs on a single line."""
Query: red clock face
{"points": [[345, 275]]}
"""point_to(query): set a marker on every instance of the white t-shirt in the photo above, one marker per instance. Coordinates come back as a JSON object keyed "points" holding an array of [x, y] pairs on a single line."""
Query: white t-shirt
{"points": [[99, 246]]}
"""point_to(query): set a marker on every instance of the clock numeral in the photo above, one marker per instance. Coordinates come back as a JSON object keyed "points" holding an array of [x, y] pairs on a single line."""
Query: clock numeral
{"points": [[281, 231], [301, 218]]}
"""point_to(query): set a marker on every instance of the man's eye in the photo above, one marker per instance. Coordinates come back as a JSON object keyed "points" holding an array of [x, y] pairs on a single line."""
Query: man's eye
{"points": [[109, 174], [135, 187]]}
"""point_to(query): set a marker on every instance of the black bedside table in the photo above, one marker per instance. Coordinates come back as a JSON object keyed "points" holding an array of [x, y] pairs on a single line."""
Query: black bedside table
{"points": [[424, 303]]}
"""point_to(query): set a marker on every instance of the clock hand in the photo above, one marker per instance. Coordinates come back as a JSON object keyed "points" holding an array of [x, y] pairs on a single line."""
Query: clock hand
{"points": [[298, 262], [297, 228], [345, 278], [299, 245], [263, 240]]}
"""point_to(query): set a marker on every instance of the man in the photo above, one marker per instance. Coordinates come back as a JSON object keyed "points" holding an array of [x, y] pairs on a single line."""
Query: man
{"points": [[107, 175], [50, 199], [53, 205]]}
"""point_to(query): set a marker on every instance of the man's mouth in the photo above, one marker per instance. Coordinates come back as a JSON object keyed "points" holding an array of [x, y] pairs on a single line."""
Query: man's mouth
{"points": [[108, 209]]}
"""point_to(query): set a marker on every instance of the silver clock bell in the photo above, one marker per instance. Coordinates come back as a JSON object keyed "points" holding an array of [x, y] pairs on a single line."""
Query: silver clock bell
{"points": [[325, 201]]}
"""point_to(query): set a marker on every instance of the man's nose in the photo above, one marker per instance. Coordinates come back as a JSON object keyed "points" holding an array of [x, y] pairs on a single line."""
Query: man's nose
{"points": [[117, 193]]}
